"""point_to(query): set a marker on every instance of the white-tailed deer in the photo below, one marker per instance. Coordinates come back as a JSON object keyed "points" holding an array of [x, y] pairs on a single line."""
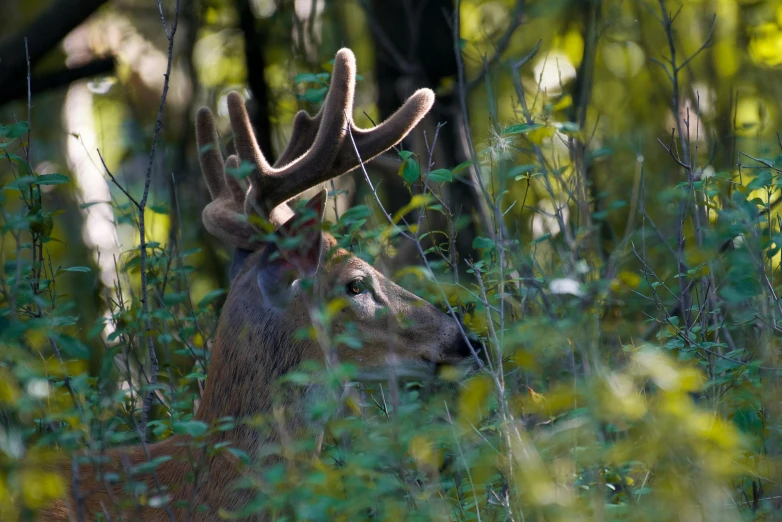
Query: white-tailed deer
{"points": [[275, 286]]}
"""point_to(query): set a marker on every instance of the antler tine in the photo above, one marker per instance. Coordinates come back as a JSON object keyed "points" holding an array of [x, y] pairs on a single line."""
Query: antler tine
{"points": [[375, 141], [237, 191], [209, 154], [222, 217], [303, 132], [272, 186]]}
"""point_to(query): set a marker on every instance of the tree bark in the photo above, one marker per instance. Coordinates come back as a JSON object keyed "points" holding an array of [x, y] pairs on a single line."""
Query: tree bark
{"points": [[255, 60]]}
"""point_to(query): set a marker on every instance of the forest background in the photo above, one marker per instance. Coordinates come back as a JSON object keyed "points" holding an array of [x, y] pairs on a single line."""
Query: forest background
{"points": [[606, 175]]}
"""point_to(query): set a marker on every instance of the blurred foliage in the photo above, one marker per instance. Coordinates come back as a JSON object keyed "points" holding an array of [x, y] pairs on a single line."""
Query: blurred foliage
{"points": [[625, 294]]}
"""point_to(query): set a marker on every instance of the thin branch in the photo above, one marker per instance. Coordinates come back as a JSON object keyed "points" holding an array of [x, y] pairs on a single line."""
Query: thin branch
{"points": [[706, 44], [153, 361], [502, 44], [117, 183]]}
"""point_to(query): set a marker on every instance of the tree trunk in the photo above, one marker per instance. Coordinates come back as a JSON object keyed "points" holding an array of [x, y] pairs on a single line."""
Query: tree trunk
{"points": [[414, 49]]}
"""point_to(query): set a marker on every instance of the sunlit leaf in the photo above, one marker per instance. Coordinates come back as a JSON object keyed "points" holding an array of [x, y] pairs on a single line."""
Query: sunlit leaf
{"points": [[522, 128]]}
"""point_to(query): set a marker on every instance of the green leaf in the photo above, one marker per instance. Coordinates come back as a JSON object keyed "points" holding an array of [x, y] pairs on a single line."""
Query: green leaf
{"points": [[51, 179], [568, 126], [298, 378], [19, 183], [15, 159], [440, 176], [174, 298], [355, 213], [210, 297], [762, 180], [239, 454], [76, 269], [244, 169], [193, 428], [482, 242], [518, 171], [599, 153], [409, 169], [416, 202], [91, 203], [149, 466], [521, 128], [73, 347], [541, 239], [313, 95], [44, 179], [461, 166], [14, 130], [310, 77]]}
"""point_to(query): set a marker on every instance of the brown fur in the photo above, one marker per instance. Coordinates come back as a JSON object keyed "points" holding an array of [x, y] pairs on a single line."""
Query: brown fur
{"points": [[255, 342]]}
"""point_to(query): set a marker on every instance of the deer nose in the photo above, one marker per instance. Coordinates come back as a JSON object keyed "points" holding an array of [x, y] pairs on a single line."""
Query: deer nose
{"points": [[463, 348], [466, 344]]}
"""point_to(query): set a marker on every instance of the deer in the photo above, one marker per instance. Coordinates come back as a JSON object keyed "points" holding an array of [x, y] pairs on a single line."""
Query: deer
{"points": [[271, 293]]}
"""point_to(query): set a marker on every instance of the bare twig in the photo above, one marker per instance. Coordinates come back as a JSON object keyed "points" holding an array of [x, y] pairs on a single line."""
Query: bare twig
{"points": [[153, 361], [502, 44], [117, 183]]}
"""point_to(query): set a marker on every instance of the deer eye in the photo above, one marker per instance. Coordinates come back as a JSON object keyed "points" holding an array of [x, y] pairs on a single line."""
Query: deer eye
{"points": [[355, 287]]}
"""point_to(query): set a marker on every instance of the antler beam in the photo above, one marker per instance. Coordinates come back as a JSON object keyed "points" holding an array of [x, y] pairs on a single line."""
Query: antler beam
{"points": [[317, 152]]}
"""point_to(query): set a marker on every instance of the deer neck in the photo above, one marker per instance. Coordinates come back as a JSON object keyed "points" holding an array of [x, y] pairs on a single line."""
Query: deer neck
{"points": [[253, 347]]}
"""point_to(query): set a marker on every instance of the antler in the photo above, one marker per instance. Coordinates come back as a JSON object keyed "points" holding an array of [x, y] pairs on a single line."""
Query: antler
{"points": [[319, 150]]}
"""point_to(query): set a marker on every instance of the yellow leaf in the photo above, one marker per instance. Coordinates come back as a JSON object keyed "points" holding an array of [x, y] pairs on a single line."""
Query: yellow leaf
{"points": [[690, 380], [477, 323], [419, 272], [36, 339], [450, 373], [472, 400], [41, 487], [538, 135], [631, 279], [352, 405], [536, 397], [622, 398], [8, 508], [525, 359], [446, 85], [335, 306], [425, 454], [9, 393], [416, 202], [563, 104], [665, 372]]}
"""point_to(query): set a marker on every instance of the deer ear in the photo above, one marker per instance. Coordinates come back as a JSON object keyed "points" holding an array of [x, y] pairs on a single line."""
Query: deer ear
{"points": [[296, 254], [302, 233]]}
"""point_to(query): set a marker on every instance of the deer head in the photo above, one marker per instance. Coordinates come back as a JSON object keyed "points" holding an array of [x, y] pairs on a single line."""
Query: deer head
{"points": [[277, 282]]}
